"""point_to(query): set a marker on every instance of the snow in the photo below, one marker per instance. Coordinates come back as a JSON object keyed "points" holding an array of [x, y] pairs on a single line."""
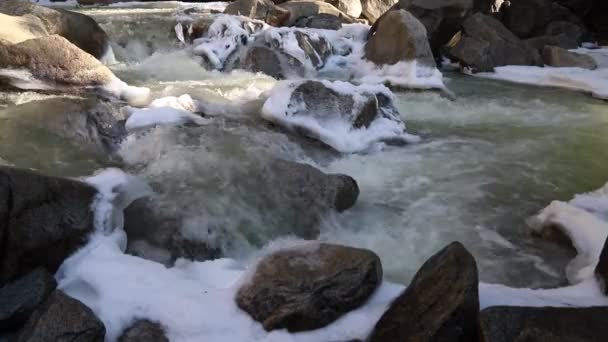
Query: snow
{"points": [[131, 94], [335, 129], [590, 81], [169, 110]]}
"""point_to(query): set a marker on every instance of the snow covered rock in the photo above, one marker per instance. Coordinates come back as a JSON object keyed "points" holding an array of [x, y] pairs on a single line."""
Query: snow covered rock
{"points": [[62, 318], [558, 57], [306, 8], [20, 298], [79, 29], [45, 220], [346, 117], [264, 10], [350, 7], [601, 271], [440, 304], [144, 331], [398, 36], [484, 43], [53, 63], [374, 9], [512, 323], [309, 286]]}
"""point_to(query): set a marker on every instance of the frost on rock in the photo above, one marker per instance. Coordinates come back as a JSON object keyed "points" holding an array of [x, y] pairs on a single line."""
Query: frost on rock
{"points": [[347, 117]]}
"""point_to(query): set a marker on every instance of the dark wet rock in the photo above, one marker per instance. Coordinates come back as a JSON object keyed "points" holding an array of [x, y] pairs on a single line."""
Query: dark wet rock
{"points": [[596, 21], [351, 8], [90, 123], [45, 219], [526, 18], [81, 30], [62, 319], [514, 324], [573, 31], [320, 21], [561, 40], [307, 8], [484, 43], [558, 57], [579, 7], [561, 13], [398, 37], [20, 298], [308, 287], [144, 331], [601, 269], [264, 10], [441, 18], [374, 9], [263, 59], [440, 304]]}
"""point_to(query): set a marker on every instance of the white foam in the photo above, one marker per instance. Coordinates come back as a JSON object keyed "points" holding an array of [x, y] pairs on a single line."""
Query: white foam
{"points": [[160, 115], [134, 96], [590, 81], [333, 128]]}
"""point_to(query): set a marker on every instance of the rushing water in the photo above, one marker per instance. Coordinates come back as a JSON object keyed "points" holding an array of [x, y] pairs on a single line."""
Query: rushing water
{"points": [[487, 161]]}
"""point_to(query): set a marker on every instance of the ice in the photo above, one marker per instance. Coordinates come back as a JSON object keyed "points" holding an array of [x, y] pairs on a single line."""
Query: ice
{"points": [[590, 81], [336, 129]]}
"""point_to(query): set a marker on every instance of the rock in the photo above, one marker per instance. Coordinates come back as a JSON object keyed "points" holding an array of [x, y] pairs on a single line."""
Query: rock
{"points": [[89, 123], [484, 43], [310, 286], [144, 331], [443, 297], [349, 7], [558, 57], [308, 8], [441, 18], [46, 220], [597, 23], [579, 7], [61, 318], [320, 21], [79, 29], [561, 13], [20, 298], [561, 40], [572, 31], [263, 59], [264, 10], [398, 37], [601, 270], [55, 63], [506, 324], [18, 29], [374, 9], [526, 18]]}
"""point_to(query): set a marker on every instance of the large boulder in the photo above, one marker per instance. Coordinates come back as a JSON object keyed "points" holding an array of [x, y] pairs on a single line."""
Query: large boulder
{"points": [[601, 270], [579, 7], [441, 18], [61, 318], [310, 286], [374, 9], [144, 331], [45, 220], [510, 323], [307, 8], [79, 29], [264, 10], [484, 43], [596, 21], [20, 298], [526, 18], [558, 57], [398, 37], [350, 7], [440, 304], [16, 29], [344, 116], [52, 62]]}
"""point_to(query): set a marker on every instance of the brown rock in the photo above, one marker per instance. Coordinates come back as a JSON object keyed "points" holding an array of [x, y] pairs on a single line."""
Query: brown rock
{"points": [[264, 10], [144, 331], [558, 57]]}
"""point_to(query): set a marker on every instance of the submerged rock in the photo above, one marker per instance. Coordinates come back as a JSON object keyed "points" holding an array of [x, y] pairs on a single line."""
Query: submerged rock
{"points": [[484, 43], [264, 10], [601, 270], [79, 29], [440, 304], [307, 8], [399, 37], [144, 331], [45, 219], [558, 57], [511, 323], [374, 9], [52, 62], [346, 117], [310, 286], [61, 318], [20, 298]]}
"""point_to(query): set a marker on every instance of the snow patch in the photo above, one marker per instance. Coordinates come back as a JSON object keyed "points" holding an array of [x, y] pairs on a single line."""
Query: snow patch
{"points": [[169, 110]]}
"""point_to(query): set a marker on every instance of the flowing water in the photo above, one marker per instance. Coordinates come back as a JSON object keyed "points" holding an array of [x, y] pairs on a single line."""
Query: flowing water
{"points": [[487, 161]]}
